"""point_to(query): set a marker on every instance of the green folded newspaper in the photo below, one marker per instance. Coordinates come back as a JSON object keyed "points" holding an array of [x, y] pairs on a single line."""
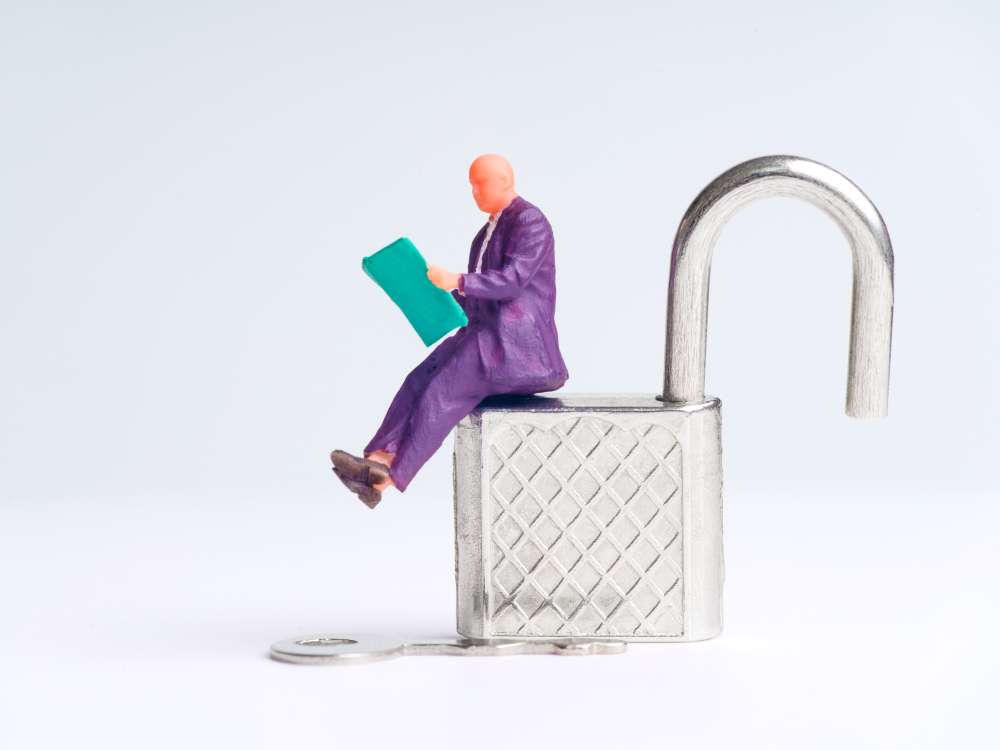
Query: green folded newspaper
{"points": [[401, 271]]}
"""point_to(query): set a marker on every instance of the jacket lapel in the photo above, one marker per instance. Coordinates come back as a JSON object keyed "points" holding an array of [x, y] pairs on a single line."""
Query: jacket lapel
{"points": [[477, 244], [493, 257]]}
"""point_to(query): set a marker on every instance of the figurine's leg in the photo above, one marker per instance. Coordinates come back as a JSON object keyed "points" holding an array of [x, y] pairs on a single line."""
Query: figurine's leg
{"points": [[453, 390], [397, 420]]}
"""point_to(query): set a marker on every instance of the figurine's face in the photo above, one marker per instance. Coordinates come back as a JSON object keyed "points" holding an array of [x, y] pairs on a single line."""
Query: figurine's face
{"points": [[492, 182], [489, 191]]}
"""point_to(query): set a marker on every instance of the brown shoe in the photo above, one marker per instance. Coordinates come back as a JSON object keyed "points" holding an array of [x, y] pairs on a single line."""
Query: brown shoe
{"points": [[368, 494], [359, 469]]}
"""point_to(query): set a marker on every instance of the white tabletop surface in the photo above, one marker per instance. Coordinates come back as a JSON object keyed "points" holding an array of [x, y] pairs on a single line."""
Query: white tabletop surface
{"points": [[850, 621]]}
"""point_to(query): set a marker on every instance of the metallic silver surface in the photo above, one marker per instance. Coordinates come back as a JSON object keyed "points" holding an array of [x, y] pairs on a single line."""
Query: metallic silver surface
{"points": [[364, 648], [589, 517], [691, 260], [340, 648], [474, 647]]}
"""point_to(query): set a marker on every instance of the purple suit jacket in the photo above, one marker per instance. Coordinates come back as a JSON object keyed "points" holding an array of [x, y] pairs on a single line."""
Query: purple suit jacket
{"points": [[511, 304]]}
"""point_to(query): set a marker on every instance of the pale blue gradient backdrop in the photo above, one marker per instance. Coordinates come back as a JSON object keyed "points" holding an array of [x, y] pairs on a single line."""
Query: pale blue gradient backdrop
{"points": [[186, 192]]}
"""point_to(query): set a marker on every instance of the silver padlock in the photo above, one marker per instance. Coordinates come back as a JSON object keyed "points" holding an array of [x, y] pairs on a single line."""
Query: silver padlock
{"points": [[600, 517], [586, 522]]}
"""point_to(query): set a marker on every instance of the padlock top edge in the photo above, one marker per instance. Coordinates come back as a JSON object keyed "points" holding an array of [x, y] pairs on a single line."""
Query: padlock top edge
{"points": [[590, 402]]}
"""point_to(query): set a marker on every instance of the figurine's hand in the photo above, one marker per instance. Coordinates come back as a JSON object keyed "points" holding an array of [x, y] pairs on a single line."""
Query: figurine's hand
{"points": [[442, 279]]}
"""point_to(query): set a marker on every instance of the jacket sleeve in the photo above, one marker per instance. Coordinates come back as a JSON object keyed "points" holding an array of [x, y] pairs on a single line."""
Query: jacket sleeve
{"points": [[459, 299], [530, 243]]}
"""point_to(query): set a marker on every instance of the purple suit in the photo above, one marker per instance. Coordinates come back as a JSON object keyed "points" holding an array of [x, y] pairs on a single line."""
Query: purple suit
{"points": [[510, 344]]}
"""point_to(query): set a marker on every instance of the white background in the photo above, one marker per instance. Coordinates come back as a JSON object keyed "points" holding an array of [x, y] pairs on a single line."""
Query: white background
{"points": [[186, 191]]}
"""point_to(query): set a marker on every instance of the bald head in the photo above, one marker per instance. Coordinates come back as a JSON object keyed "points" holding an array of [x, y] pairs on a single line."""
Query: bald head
{"points": [[492, 180]]}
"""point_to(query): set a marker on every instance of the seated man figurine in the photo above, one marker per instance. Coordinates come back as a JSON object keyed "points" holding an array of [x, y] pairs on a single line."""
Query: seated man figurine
{"points": [[510, 344]]}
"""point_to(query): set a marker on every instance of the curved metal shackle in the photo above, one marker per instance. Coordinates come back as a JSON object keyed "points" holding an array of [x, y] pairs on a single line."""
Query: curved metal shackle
{"points": [[691, 261]]}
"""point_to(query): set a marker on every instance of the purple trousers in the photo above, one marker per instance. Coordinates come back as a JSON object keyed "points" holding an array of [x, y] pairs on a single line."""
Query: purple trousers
{"points": [[439, 393]]}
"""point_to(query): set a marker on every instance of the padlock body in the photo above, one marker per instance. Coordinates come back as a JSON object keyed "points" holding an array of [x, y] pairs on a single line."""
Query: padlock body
{"points": [[589, 517]]}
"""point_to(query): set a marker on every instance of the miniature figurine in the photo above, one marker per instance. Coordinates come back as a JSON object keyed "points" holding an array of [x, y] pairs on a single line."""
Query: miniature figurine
{"points": [[509, 346]]}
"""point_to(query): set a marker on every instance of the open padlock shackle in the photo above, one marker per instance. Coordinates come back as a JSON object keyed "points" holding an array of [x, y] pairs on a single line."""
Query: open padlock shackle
{"points": [[691, 261]]}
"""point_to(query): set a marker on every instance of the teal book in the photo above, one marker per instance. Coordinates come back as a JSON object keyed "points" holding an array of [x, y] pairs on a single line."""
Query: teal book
{"points": [[401, 271]]}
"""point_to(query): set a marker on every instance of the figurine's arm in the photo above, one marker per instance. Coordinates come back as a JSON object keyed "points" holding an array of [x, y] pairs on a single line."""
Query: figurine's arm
{"points": [[531, 244]]}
